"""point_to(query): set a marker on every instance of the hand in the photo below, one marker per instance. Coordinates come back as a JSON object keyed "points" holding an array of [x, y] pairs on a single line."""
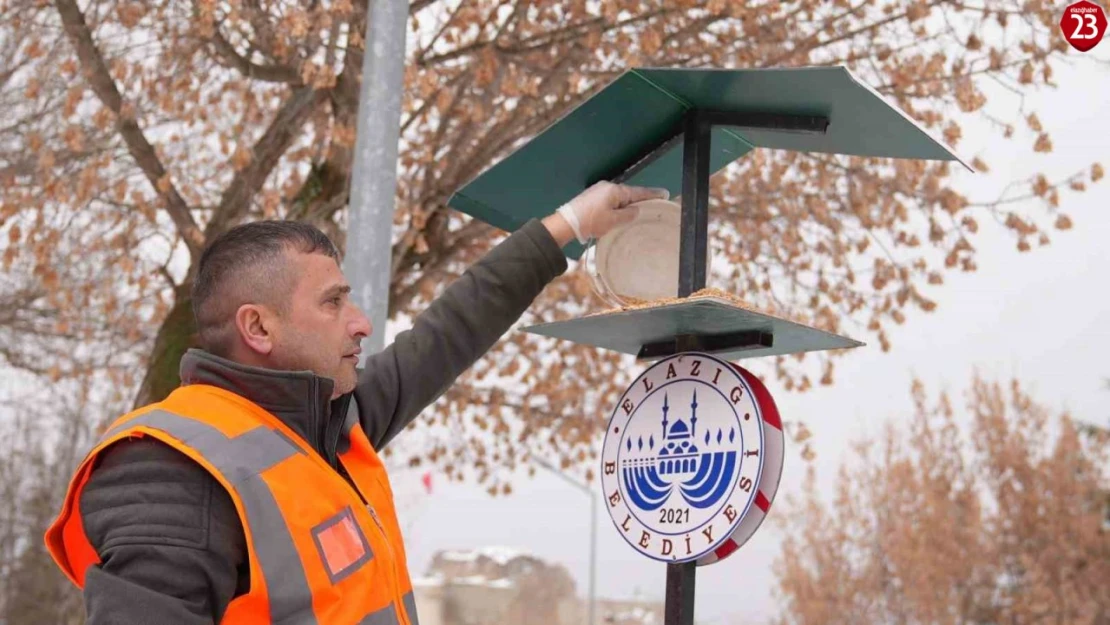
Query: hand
{"points": [[602, 207]]}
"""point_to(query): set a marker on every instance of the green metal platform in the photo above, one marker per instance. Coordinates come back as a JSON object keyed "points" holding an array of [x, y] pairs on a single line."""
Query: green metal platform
{"points": [[724, 329]]}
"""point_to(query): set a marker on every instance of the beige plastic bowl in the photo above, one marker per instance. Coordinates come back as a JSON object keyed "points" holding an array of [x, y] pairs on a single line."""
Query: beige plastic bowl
{"points": [[638, 261]]}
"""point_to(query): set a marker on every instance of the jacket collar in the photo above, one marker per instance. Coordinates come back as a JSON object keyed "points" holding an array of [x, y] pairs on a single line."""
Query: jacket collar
{"points": [[301, 399]]}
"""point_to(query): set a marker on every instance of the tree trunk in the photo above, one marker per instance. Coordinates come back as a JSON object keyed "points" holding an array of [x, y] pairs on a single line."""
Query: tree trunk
{"points": [[176, 335]]}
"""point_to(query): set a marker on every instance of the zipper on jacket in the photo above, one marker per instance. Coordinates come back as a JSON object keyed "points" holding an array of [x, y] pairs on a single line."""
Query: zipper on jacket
{"points": [[397, 596], [321, 457]]}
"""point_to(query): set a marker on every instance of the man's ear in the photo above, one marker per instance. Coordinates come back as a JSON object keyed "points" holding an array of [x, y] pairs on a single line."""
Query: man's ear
{"points": [[254, 324]]}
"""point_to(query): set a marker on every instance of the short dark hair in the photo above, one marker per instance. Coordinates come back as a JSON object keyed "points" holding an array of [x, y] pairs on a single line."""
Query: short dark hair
{"points": [[244, 265]]}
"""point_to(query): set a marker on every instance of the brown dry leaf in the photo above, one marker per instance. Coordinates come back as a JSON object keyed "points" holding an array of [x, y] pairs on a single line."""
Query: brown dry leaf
{"points": [[1026, 76], [1043, 144], [651, 41], [1041, 186], [130, 13], [952, 134], [241, 158], [801, 433]]}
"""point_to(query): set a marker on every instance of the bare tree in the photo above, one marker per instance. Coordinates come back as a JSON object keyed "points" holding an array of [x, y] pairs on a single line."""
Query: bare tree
{"points": [[1001, 521]]}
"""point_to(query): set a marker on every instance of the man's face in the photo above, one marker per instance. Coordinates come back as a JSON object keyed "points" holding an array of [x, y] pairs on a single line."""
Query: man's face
{"points": [[321, 328]]}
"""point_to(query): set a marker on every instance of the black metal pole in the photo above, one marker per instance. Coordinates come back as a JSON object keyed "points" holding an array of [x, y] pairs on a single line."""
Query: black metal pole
{"points": [[681, 578], [679, 609], [694, 237], [693, 251]]}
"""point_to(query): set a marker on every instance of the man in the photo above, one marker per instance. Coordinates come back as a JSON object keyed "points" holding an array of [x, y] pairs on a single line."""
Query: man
{"points": [[254, 492]]}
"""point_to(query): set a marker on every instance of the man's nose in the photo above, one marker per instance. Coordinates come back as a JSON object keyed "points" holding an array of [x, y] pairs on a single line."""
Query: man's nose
{"points": [[360, 325]]}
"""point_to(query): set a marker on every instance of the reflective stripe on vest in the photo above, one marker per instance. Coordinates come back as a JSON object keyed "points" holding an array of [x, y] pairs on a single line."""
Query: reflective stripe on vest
{"points": [[388, 615], [241, 460], [410, 608]]}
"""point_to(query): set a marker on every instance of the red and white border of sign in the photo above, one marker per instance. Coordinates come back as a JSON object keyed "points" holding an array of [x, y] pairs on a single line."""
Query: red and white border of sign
{"points": [[773, 452]]}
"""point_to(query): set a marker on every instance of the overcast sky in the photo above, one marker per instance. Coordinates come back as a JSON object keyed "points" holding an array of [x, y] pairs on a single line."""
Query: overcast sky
{"points": [[1042, 317]]}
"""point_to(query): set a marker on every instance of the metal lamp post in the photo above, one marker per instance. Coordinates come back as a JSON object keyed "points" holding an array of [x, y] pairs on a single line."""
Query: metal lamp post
{"points": [[374, 172]]}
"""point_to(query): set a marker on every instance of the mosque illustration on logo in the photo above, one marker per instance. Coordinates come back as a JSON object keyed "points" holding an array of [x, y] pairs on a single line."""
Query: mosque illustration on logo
{"points": [[702, 476]]}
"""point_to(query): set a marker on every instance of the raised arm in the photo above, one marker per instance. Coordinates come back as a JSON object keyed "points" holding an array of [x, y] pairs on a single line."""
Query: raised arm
{"points": [[478, 308], [455, 331]]}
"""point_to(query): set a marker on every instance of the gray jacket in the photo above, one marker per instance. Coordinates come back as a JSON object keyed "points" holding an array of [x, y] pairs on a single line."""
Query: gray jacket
{"points": [[171, 546]]}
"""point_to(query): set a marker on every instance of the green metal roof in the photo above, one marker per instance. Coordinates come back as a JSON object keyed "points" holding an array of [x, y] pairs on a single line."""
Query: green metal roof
{"points": [[642, 108]]}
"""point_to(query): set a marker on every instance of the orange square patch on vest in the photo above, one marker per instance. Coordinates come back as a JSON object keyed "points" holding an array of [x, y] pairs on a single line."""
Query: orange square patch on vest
{"points": [[341, 544]]}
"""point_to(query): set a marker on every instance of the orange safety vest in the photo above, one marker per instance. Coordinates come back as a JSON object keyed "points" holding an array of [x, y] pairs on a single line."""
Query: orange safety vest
{"points": [[321, 552]]}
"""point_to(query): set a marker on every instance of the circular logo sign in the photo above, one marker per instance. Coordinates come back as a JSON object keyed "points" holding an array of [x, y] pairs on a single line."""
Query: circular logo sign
{"points": [[1083, 24], [682, 457]]}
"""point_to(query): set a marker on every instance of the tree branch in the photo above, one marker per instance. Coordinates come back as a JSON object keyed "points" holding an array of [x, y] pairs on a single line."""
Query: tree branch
{"points": [[814, 42], [269, 73], [345, 92], [419, 5], [431, 99], [566, 33], [264, 31], [439, 33], [265, 154], [100, 79]]}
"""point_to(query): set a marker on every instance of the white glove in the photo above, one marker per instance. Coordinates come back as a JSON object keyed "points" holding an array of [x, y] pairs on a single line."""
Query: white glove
{"points": [[599, 209]]}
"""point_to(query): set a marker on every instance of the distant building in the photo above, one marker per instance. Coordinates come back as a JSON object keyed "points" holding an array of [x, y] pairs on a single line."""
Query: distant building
{"points": [[498, 586]]}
